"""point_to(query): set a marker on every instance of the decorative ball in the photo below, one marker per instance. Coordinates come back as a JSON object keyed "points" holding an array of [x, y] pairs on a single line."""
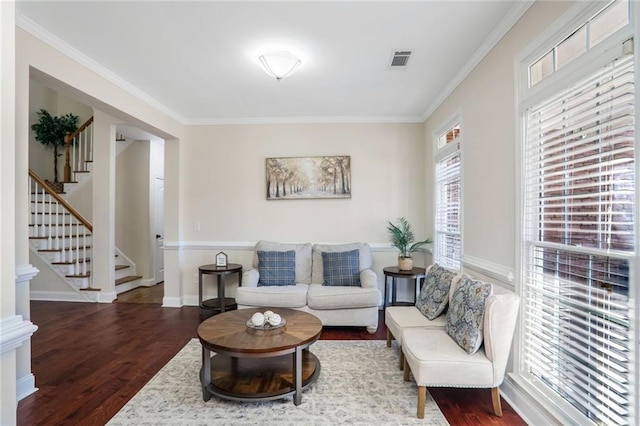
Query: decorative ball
{"points": [[258, 319], [275, 320]]}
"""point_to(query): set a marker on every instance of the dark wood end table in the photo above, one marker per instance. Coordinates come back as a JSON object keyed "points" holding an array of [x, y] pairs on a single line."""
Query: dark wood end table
{"points": [[254, 365], [416, 274], [220, 303]]}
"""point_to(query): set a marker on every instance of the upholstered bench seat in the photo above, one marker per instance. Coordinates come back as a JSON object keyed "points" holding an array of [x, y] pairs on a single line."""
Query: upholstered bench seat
{"points": [[399, 318], [427, 350]]}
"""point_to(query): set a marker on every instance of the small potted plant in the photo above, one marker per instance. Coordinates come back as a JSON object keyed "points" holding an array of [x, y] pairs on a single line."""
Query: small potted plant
{"points": [[402, 238], [50, 131]]}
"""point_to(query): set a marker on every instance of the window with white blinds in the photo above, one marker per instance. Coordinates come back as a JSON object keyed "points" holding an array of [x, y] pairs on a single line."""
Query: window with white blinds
{"points": [[448, 194], [579, 245]]}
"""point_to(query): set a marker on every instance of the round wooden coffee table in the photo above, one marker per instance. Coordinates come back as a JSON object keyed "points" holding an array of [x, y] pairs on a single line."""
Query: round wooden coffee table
{"points": [[253, 365]]}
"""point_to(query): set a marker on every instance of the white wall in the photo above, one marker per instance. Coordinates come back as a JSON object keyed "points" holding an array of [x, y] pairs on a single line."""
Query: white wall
{"points": [[486, 101], [222, 186]]}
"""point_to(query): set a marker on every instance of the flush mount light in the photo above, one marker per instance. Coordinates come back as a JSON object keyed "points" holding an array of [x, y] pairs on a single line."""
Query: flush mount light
{"points": [[279, 64]]}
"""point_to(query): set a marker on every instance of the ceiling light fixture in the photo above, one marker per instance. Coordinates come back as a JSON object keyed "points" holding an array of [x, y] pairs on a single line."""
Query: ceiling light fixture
{"points": [[279, 64]]}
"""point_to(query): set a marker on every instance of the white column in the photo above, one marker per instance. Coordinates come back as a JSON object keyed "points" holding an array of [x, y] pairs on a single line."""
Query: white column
{"points": [[104, 173], [14, 330], [173, 296]]}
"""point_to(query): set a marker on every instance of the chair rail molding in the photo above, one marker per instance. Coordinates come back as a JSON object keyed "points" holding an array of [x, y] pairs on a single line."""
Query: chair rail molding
{"points": [[14, 330], [493, 270], [250, 245]]}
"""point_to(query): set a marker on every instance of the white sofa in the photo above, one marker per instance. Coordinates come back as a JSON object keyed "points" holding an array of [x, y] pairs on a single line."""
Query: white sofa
{"points": [[334, 305]]}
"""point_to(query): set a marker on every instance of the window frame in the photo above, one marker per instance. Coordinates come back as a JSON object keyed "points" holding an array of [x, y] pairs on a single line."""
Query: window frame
{"points": [[526, 96], [441, 153]]}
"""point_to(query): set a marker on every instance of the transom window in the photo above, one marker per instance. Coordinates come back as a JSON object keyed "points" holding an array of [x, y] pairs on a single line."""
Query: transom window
{"points": [[606, 22]]}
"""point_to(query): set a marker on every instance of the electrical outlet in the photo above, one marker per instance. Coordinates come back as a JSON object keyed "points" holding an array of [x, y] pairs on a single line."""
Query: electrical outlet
{"points": [[196, 225]]}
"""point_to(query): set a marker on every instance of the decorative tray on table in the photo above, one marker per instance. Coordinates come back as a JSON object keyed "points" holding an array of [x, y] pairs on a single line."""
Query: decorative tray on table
{"points": [[266, 325]]}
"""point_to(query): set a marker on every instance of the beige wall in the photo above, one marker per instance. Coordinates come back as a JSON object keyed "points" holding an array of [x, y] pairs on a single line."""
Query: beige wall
{"points": [[223, 188], [486, 101], [132, 205], [223, 182], [42, 97]]}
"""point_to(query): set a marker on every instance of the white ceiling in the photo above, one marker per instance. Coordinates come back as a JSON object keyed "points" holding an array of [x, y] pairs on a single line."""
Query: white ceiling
{"points": [[198, 61]]}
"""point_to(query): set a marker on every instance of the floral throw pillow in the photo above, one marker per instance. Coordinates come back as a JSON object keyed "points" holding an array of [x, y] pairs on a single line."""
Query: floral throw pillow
{"points": [[465, 317], [434, 296]]}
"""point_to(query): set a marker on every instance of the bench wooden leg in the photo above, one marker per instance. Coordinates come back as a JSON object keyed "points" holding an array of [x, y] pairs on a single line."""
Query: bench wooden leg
{"points": [[422, 398], [406, 370], [495, 398], [389, 337], [401, 365]]}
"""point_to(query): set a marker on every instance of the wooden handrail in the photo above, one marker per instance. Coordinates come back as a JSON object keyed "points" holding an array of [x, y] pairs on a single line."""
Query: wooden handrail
{"points": [[62, 201], [81, 128]]}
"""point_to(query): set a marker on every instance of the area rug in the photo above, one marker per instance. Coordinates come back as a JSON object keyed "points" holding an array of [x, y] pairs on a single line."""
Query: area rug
{"points": [[359, 384]]}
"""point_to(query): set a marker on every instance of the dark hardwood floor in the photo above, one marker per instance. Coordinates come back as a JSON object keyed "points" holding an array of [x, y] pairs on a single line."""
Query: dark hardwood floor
{"points": [[90, 359]]}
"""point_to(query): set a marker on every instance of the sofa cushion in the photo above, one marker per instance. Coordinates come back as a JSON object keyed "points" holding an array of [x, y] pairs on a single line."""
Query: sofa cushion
{"points": [[465, 317], [434, 296], [303, 257], [341, 268], [276, 267], [341, 297], [365, 260], [291, 296]]}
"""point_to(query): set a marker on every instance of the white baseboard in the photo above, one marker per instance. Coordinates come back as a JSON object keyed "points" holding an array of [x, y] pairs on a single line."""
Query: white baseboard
{"points": [[147, 282], [56, 296], [172, 302], [25, 386], [527, 407]]}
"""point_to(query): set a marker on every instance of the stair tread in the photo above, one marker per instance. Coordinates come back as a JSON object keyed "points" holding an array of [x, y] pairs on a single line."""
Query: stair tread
{"points": [[71, 262], [68, 249], [90, 289], [127, 279], [119, 267], [60, 236], [87, 275]]}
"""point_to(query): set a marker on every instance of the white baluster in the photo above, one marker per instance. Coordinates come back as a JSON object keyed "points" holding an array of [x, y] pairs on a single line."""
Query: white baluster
{"points": [[84, 251], [80, 153], [64, 243], [34, 217], [51, 223], [90, 135], [57, 240]]}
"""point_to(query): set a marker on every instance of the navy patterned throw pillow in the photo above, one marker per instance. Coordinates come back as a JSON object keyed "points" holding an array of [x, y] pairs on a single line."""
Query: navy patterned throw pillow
{"points": [[434, 295], [276, 268], [465, 317], [341, 268]]}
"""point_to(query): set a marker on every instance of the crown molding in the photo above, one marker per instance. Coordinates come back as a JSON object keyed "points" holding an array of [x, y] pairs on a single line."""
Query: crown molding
{"points": [[250, 245], [514, 14], [302, 120], [45, 36]]}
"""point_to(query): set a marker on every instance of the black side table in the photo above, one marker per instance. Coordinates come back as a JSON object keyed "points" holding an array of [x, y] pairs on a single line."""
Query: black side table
{"points": [[393, 272], [220, 303]]}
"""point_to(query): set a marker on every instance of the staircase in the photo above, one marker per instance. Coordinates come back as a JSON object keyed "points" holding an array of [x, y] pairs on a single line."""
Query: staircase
{"points": [[60, 235]]}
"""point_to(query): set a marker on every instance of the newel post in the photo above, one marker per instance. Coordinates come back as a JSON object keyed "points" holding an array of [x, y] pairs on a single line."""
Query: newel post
{"points": [[67, 162]]}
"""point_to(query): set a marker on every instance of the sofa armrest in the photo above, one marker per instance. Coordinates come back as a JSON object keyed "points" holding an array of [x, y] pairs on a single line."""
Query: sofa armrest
{"points": [[368, 279], [250, 278]]}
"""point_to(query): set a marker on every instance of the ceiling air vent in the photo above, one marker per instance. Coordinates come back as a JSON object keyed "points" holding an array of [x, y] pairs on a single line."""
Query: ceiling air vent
{"points": [[400, 58]]}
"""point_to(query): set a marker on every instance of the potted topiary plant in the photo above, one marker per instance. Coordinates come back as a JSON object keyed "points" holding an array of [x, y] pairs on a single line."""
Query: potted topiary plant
{"points": [[402, 238], [50, 131]]}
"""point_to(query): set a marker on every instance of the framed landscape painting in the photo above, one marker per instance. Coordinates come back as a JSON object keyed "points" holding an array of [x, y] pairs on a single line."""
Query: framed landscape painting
{"points": [[305, 178]]}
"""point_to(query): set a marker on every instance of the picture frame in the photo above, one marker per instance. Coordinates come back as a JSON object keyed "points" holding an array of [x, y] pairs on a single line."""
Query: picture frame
{"points": [[300, 178], [221, 260]]}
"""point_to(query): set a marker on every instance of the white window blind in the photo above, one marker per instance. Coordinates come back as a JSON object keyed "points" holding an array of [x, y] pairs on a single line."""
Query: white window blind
{"points": [[579, 243], [448, 194]]}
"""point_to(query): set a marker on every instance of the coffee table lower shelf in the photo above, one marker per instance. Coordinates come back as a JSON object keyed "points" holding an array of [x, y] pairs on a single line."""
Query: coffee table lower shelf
{"points": [[257, 379]]}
